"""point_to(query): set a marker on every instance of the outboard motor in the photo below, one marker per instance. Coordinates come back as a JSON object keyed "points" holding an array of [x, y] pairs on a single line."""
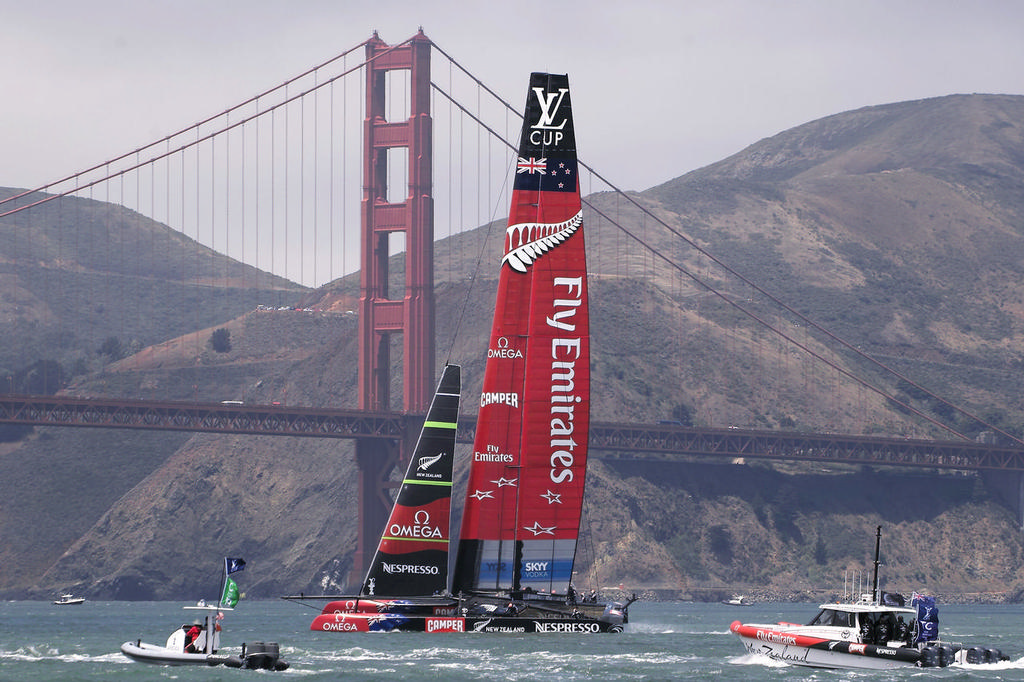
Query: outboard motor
{"points": [[929, 657], [263, 656], [947, 654]]}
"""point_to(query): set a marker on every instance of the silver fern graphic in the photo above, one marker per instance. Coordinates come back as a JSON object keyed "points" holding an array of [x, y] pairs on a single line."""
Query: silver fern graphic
{"points": [[532, 240], [427, 462]]}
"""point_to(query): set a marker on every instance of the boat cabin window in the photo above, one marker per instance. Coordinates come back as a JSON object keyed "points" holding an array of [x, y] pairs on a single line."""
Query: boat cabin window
{"points": [[841, 619]]}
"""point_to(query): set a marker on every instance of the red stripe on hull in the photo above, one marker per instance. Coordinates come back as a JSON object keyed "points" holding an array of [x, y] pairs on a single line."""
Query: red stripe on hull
{"points": [[774, 636]]}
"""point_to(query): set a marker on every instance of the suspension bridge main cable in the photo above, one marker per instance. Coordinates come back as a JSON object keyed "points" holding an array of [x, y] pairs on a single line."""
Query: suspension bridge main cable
{"points": [[713, 290], [771, 297], [199, 139]]}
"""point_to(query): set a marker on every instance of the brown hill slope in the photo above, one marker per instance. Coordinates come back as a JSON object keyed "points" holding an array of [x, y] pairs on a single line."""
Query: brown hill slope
{"points": [[897, 227], [75, 272], [894, 226]]}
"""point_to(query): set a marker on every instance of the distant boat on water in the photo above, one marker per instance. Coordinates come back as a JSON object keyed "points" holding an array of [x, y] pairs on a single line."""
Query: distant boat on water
{"points": [[69, 600], [738, 600]]}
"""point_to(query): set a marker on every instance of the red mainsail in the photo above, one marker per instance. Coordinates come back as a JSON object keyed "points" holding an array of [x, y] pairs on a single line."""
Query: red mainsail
{"points": [[525, 490]]}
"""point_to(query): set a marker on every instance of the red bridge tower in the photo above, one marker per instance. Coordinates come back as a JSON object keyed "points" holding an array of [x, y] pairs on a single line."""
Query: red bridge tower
{"points": [[411, 312]]}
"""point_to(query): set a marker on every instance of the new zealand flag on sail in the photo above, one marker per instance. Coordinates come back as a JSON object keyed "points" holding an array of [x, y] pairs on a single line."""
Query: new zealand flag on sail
{"points": [[546, 174]]}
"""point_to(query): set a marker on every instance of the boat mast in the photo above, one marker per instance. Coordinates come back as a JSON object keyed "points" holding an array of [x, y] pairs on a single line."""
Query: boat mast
{"points": [[874, 581]]}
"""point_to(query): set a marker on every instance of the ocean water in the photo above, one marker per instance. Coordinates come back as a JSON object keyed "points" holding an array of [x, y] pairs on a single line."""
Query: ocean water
{"points": [[667, 641]]}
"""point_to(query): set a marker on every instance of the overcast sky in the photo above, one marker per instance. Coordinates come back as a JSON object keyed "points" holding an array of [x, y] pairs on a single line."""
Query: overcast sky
{"points": [[660, 87]]}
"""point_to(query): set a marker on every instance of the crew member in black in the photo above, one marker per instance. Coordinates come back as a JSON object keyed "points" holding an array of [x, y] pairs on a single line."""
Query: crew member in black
{"points": [[867, 629]]}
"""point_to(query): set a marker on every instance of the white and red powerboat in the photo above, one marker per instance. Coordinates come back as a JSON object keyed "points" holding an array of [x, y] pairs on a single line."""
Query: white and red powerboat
{"points": [[878, 631]]}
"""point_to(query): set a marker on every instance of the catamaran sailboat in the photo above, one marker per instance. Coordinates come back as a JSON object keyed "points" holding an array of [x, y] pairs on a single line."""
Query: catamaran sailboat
{"points": [[514, 561]]}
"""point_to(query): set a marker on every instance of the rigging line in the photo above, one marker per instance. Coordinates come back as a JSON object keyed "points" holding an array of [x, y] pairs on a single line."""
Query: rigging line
{"points": [[488, 233], [195, 142], [200, 123], [749, 282]]}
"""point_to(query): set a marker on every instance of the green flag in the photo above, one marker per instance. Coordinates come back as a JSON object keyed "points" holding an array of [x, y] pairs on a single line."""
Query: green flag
{"points": [[230, 596]]}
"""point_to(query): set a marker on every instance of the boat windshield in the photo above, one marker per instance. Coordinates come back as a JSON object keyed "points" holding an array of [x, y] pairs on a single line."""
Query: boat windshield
{"points": [[842, 619]]}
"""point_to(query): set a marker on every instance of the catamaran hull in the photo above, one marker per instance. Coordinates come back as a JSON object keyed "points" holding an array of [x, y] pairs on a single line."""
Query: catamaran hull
{"points": [[818, 652], [362, 622], [404, 606]]}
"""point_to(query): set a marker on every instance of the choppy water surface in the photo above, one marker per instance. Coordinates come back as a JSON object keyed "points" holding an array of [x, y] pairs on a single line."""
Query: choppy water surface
{"points": [[668, 641]]}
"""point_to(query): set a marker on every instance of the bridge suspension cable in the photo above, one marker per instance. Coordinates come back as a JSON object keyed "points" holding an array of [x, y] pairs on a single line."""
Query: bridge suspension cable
{"points": [[655, 252], [268, 106]]}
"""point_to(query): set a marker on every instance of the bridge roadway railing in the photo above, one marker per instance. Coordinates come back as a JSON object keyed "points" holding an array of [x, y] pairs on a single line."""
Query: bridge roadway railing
{"points": [[277, 420], [658, 440], [607, 440]]}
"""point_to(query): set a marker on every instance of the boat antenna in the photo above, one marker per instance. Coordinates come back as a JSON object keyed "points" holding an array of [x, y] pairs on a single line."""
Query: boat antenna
{"points": [[874, 582]]}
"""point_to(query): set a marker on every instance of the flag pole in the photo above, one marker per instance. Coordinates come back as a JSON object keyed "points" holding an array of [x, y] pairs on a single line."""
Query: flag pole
{"points": [[223, 583]]}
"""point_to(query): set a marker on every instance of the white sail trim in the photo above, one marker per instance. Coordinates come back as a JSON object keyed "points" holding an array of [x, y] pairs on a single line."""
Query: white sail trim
{"points": [[529, 241]]}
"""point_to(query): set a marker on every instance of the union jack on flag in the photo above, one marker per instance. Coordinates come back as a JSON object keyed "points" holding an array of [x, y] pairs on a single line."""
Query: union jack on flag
{"points": [[531, 165]]}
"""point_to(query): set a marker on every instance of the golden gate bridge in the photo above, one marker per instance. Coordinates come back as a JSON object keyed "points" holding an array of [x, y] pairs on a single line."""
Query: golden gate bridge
{"points": [[267, 183]]}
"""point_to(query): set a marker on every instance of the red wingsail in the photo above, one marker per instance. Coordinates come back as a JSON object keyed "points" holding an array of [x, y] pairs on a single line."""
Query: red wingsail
{"points": [[525, 490]]}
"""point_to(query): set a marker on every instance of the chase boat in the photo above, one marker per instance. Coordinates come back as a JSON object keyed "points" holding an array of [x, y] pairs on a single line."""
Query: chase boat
{"points": [[877, 632], [204, 649], [199, 643]]}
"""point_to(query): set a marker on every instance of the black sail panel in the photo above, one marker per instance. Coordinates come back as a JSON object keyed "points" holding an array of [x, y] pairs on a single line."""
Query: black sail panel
{"points": [[412, 557]]}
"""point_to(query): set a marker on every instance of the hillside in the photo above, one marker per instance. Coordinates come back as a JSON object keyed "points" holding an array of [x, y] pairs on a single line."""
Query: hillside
{"points": [[93, 270], [895, 227], [899, 228]]}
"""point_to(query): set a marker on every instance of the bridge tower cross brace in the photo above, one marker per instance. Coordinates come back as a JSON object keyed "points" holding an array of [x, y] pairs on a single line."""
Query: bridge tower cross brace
{"points": [[381, 316]]}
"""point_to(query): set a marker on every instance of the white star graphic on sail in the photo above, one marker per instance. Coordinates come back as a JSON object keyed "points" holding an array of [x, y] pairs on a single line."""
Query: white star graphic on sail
{"points": [[483, 495], [552, 498], [502, 482], [537, 529]]}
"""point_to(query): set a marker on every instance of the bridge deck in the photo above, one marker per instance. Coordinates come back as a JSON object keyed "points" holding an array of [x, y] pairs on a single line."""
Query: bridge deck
{"points": [[607, 440]]}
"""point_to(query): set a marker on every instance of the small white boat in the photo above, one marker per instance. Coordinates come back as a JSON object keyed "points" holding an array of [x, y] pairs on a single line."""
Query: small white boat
{"points": [[194, 645], [738, 600], [69, 600], [199, 643], [877, 632]]}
